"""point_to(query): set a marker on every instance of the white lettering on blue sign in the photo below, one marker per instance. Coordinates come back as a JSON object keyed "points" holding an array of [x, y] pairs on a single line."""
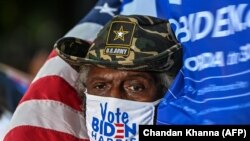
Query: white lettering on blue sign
{"points": [[225, 22], [218, 59]]}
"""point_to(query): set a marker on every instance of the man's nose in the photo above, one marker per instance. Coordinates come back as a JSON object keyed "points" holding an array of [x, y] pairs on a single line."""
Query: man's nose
{"points": [[116, 92]]}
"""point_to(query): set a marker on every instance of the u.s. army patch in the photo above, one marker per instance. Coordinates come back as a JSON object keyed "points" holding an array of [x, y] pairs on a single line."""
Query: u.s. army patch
{"points": [[114, 50], [119, 38], [120, 33]]}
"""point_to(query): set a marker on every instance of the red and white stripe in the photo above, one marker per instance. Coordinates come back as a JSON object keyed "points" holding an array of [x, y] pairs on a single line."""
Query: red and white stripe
{"points": [[119, 131], [51, 109]]}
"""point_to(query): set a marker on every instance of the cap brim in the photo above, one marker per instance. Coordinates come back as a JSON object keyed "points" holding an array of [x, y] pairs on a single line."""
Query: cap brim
{"points": [[72, 49]]}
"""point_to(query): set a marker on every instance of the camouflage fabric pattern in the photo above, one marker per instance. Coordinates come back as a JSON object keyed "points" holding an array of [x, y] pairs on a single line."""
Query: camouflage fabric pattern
{"points": [[134, 42], [71, 49], [145, 44]]}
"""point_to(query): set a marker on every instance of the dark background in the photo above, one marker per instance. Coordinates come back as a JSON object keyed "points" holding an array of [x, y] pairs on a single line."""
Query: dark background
{"points": [[28, 27]]}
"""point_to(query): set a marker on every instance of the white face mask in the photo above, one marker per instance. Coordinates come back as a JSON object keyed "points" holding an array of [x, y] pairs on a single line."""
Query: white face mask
{"points": [[113, 119]]}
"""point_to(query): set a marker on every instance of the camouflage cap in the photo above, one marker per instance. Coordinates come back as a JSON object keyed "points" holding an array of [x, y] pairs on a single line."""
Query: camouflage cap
{"points": [[72, 49], [135, 42]]}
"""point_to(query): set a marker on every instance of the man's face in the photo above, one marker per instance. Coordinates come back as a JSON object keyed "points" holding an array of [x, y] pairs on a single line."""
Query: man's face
{"points": [[129, 85]]}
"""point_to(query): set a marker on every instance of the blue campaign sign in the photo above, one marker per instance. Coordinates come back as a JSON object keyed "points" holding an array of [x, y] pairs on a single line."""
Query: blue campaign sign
{"points": [[213, 87]]}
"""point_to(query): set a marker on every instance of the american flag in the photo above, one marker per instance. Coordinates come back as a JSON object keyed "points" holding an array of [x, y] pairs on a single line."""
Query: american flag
{"points": [[51, 109]]}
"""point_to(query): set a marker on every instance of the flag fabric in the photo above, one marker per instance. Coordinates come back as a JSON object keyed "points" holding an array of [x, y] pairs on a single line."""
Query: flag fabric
{"points": [[214, 81], [213, 87], [51, 109], [92, 23]]}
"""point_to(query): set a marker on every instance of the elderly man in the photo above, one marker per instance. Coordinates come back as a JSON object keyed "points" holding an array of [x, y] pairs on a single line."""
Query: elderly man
{"points": [[124, 74]]}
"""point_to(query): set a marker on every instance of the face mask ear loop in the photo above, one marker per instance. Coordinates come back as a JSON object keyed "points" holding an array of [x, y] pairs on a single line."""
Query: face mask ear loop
{"points": [[84, 102], [85, 91], [157, 101], [156, 104]]}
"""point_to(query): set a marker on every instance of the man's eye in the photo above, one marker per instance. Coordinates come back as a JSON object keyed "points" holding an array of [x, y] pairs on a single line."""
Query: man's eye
{"points": [[100, 86], [136, 88]]}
